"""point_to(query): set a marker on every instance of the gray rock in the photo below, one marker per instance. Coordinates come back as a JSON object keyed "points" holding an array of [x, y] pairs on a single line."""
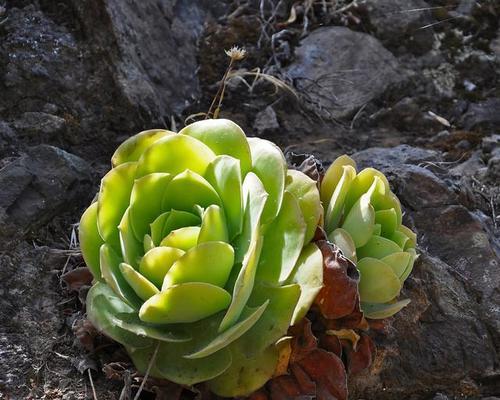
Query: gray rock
{"points": [[38, 185], [396, 23], [149, 37], [386, 159], [491, 143], [113, 68], [338, 70], [493, 171], [483, 115], [266, 121], [42, 126]]}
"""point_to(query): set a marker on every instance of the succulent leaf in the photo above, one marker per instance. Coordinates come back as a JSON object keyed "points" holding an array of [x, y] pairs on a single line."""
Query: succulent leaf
{"points": [[90, 240], [306, 192], [175, 154], [283, 242], [114, 197], [170, 306], [132, 148], [269, 165], [224, 137]]}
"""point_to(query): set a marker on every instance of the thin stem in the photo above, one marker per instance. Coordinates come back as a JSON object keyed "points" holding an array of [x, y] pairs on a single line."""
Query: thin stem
{"points": [[92, 385], [220, 91], [150, 365]]}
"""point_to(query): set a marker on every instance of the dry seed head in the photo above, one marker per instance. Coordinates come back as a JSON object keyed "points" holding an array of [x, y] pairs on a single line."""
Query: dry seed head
{"points": [[236, 53]]}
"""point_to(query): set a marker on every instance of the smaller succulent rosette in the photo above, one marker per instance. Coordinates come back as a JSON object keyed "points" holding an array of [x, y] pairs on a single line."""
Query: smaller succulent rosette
{"points": [[363, 218], [200, 246]]}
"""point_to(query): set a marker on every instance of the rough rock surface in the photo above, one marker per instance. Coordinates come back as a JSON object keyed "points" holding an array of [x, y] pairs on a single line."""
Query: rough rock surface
{"points": [[77, 77], [393, 21], [38, 186], [340, 70]]}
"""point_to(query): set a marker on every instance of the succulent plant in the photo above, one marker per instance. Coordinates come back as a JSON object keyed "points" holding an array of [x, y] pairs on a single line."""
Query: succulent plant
{"points": [[200, 247], [363, 218]]}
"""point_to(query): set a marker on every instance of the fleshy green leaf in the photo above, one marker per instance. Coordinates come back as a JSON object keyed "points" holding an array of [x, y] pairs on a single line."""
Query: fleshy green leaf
{"points": [[245, 375], [377, 247], [132, 249], [255, 197], [147, 243], [111, 273], [398, 262], [283, 242], [341, 238], [169, 221], [182, 238], [363, 183], [157, 261], [410, 234], [213, 226], [306, 192], [308, 273], [223, 137], [386, 202], [360, 221], [102, 306], [132, 148], [171, 363], [174, 154], [269, 164], [145, 201], [224, 175], [187, 189], [379, 283], [333, 175], [132, 323], [114, 198], [244, 283], [249, 318], [249, 244], [335, 207], [170, 306], [209, 262], [409, 268], [274, 322], [142, 287], [388, 220], [380, 311], [90, 240], [400, 239]]}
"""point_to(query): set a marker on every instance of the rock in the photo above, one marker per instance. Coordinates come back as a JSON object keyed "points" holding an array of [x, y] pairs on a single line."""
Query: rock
{"points": [[40, 126], [7, 140], [150, 40], [493, 171], [338, 70], [483, 115], [266, 121], [40, 184], [392, 21], [491, 143], [111, 68], [386, 159], [407, 115]]}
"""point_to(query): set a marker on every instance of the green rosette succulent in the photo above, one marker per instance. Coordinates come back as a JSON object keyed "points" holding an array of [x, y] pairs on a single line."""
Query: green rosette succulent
{"points": [[199, 244], [363, 218]]}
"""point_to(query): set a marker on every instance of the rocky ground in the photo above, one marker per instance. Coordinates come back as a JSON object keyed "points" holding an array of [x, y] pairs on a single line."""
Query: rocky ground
{"points": [[410, 87]]}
